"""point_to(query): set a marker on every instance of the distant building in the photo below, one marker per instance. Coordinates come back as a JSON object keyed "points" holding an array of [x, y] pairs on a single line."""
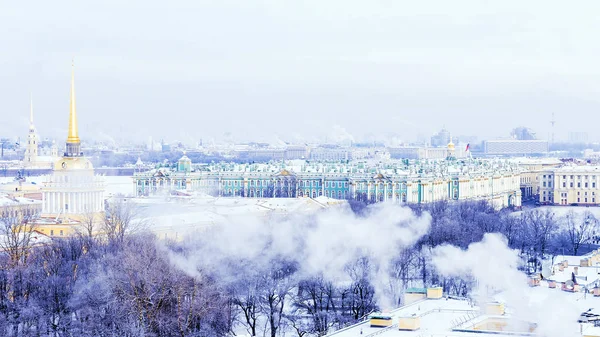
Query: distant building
{"points": [[295, 152], [330, 154], [416, 152], [514, 147], [523, 133], [578, 137], [417, 183], [532, 172], [440, 139], [569, 185]]}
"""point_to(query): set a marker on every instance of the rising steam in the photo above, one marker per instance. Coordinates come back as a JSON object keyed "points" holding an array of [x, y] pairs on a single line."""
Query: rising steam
{"points": [[322, 244], [495, 269]]}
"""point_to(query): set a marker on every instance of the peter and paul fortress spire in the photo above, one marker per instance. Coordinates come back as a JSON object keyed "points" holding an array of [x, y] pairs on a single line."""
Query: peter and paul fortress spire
{"points": [[73, 142], [31, 111]]}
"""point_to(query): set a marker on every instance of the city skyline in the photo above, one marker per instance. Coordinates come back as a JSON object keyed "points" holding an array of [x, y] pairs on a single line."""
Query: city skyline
{"points": [[268, 70]]}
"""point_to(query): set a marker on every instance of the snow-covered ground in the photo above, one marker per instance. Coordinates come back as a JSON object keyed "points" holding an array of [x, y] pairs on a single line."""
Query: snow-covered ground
{"points": [[114, 184], [563, 210], [181, 217]]}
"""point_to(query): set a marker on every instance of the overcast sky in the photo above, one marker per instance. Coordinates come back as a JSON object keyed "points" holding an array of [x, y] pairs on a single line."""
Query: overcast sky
{"points": [[300, 70]]}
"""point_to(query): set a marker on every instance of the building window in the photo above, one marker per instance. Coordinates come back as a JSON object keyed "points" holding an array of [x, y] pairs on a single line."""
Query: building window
{"points": [[578, 185], [586, 185], [52, 232], [61, 232], [571, 184], [578, 199], [564, 184]]}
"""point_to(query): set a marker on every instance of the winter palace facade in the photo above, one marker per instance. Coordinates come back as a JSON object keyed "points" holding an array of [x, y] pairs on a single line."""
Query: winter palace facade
{"points": [[399, 182]]}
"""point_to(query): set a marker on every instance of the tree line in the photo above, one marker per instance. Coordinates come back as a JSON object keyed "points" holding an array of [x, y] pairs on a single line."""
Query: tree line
{"points": [[123, 283]]}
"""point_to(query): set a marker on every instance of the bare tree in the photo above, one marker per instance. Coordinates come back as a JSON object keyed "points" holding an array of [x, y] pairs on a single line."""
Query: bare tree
{"points": [[361, 300], [580, 229], [90, 224], [277, 284], [120, 219], [16, 233], [316, 297]]}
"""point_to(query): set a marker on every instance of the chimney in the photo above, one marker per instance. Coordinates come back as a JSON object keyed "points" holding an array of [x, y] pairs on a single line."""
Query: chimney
{"points": [[575, 270]]}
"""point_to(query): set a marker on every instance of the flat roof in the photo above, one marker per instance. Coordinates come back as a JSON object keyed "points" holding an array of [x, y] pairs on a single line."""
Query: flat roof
{"points": [[438, 316]]}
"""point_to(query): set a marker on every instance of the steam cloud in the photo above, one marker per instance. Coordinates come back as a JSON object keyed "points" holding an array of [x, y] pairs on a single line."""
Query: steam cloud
{"points": [[322, 244], [495, 268]]}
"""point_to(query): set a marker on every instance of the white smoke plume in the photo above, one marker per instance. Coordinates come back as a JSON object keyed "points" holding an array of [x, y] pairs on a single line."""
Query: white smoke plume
{"points": [[495, 269], [322, 244]]}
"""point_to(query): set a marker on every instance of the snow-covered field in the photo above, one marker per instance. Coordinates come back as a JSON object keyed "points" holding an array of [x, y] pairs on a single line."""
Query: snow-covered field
{"points": [[177, 218], [560, 211], [114, 184]]}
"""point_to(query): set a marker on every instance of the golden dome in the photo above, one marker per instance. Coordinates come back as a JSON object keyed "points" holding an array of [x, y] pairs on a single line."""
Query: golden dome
{"points": [[73, 163], [451, 145]]}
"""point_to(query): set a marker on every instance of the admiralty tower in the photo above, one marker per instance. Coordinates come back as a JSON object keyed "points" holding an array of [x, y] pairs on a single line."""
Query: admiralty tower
{"points": [[72, 190]]}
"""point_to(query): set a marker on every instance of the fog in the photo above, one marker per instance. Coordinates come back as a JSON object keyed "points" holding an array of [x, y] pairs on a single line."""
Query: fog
{"points": [[200, 69], [494, 265], [322, 244]]}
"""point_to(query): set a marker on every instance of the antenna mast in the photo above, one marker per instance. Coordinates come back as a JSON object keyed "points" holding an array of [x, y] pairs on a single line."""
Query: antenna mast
{"points": [[552, 122]]}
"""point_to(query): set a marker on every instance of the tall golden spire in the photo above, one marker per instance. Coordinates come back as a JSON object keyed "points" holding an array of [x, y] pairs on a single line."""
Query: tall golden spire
{"points": [[73, 132]]}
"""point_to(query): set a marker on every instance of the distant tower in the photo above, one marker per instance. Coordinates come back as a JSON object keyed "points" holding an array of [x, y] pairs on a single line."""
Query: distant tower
{"points": [[552, 121], [31, 149]]}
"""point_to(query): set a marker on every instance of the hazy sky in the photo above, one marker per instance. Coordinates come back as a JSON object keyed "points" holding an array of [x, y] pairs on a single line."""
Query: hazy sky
{"points": [[298, 70]]}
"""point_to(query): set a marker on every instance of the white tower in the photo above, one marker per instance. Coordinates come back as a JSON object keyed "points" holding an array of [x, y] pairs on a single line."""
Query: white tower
{"points": [[31, 150]]}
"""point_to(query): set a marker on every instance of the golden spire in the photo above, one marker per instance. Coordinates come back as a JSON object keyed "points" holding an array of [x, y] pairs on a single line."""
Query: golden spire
{"points": [[73, 133]]}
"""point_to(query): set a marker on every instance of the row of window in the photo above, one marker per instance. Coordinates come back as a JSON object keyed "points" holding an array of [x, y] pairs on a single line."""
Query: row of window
{"points": [[593, 177], [585, 185]]}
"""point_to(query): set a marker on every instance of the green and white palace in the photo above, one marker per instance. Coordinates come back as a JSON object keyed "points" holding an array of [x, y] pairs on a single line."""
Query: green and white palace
{"points": [[398, 182]]}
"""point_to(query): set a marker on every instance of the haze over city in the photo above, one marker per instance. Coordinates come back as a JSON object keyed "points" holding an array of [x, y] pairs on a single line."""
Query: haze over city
{"points": [[292, 70], [299, 169]]}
